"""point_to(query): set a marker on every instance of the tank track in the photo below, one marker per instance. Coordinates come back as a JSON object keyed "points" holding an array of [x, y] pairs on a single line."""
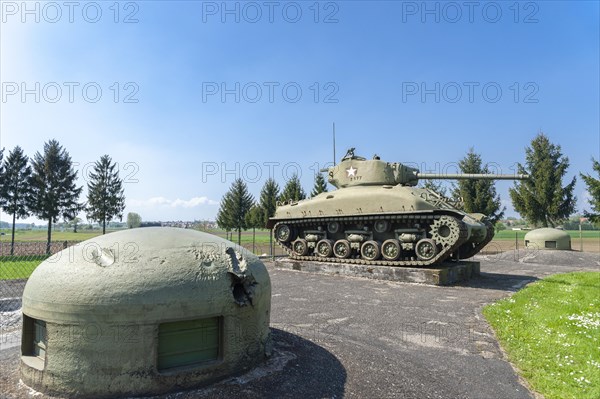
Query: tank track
{"points": [[414, 218], [466, 253]]}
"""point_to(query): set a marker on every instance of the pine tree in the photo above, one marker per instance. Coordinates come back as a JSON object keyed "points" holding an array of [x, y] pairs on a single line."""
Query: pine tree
{"points": [[268, 203], [234, 207], [222, 219], [2, 180], [268, 200], [254, 220], [54, 192], [479, 196], [320, 185], [1, 177], [105, 193], [293, 190], [435, 185], [15, 188], [593, 187], [541, 199]]}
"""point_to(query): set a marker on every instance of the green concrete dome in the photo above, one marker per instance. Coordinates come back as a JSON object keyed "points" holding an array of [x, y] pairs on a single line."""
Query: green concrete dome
{"points": [[144, 311], [548, 238]]}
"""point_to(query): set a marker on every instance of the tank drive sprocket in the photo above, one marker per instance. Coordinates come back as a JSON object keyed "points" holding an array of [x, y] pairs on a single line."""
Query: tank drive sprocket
{"points": [[445, 231]]}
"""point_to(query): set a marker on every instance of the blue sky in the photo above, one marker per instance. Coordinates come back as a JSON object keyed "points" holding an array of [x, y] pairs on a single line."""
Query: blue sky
{"points": [[194, 94]]}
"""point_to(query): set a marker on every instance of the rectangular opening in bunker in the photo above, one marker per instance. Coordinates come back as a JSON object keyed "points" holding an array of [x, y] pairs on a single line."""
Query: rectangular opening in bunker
{"points": [[188, 343], [550, 244], [34, 337]]}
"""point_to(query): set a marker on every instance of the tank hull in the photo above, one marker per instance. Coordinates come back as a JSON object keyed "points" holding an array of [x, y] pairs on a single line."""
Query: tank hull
{"points": [[380, 225]]}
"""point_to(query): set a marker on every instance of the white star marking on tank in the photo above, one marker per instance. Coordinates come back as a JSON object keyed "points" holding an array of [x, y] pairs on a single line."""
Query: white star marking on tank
{"points": [[351, 171]]}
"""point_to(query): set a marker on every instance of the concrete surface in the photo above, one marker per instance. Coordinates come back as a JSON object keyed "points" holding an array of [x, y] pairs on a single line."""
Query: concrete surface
{"points": [[444, 274], [103, 300], [338, 336]]}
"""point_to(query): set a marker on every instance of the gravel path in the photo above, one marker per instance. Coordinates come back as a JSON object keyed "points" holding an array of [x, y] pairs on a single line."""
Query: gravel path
{"points": [[11, 289]]}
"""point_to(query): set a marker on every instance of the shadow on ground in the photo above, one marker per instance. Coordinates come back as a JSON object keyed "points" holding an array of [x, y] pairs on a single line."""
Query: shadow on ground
{"points": [[498, 281], [298, 368]]}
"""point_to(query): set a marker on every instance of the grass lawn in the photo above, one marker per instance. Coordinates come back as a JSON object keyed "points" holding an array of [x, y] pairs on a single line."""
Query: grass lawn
{"points": [[551, 332], [14, 267], [262, 236]]}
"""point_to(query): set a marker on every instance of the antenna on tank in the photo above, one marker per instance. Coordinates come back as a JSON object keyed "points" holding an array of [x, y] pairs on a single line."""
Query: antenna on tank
{"points": [[334, 143]]}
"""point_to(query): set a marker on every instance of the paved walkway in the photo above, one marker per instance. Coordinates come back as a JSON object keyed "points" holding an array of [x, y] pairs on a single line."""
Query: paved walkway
{"points": [[350, 337]]}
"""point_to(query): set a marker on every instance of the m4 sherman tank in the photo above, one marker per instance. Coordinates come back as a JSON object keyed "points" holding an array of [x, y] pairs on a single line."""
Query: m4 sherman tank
{"points": [[377, 216]]}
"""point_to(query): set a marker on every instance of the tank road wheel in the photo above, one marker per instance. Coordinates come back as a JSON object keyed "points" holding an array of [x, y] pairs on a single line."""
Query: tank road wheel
{"points": [[324, 248], [390, 249], [445, 231], [341, 249], [381, 226], [426, 249], [333, 227], [300, 247], [370, 250], [283, 233]]}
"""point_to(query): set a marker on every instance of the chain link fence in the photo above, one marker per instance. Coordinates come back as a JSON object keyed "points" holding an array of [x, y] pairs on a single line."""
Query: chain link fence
{"points": [[32, 248], [17, 262]]}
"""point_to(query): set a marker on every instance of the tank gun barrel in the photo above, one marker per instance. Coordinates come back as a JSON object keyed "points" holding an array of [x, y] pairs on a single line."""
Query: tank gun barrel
{"points": [[470, 176]]}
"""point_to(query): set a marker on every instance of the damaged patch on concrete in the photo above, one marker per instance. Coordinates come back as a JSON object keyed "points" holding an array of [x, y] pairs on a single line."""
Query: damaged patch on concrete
{"points": [[243, 283]]}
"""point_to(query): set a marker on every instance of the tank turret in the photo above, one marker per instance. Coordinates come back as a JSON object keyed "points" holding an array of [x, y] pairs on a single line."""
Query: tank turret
{"points": [[358, 171], [377, 216]]}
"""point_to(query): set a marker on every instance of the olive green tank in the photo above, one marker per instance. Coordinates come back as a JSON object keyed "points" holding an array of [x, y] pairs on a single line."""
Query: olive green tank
{"points": [[377, 216]]}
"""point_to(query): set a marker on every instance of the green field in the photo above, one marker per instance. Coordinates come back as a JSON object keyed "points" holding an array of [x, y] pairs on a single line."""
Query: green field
{"points": [[261, 238], [262, 235], [42, 235], [15, 267], [510, 234], [551, 332]]}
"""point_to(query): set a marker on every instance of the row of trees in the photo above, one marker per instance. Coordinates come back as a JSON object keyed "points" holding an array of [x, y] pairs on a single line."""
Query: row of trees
{"points": [[542, 199], [46, 186], [239, 210]]}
